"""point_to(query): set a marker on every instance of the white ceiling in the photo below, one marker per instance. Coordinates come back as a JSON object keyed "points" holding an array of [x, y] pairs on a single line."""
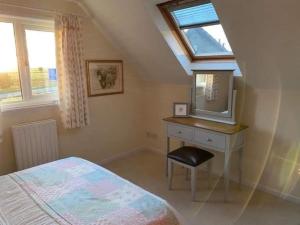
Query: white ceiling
{"points": [[258, 31], [130, 26]]}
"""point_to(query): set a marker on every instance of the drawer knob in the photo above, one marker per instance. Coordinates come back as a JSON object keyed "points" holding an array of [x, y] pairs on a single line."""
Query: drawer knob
{"points": [[209, 140], [179, 132]]}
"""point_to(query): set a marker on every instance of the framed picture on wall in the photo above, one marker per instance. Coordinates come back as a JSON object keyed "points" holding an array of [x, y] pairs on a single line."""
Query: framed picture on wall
{"points": [[181, 109], [104, 77]]}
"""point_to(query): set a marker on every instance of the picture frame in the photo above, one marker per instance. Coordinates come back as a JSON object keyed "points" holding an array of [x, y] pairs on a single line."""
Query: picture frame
{"points": [[104, 77], [180, 109]]}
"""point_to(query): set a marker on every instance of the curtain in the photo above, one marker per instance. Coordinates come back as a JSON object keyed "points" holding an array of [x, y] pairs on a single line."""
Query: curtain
{"points": [[71, 79], [1, 127], [211, 88]]}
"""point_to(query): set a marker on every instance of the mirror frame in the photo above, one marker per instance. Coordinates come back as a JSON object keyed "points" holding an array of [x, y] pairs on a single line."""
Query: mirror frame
{"points": [[203, 113]]}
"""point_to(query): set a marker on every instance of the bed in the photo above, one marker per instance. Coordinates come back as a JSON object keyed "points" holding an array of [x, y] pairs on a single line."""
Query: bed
{"points": [[74, 191]]}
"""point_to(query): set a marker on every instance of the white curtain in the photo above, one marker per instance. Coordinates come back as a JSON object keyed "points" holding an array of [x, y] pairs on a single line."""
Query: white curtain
{"points": [[70, 69], [1, 127], [211, 88]]}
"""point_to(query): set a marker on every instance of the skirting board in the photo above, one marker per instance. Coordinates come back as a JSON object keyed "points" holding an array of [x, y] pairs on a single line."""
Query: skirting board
{"points": [[249, 184], [272, 191], [121, 155]]}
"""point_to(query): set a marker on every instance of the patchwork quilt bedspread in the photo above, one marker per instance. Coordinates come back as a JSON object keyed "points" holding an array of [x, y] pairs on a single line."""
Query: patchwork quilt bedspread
{"points": [[74, 191]]}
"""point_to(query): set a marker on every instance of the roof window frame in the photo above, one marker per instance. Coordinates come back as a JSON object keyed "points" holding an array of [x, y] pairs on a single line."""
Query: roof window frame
{"points": [[166, 8]]}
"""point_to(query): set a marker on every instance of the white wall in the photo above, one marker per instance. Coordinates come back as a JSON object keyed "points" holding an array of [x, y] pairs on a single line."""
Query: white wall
{"points": [[115, 120], [159, 99], [265, 39]]}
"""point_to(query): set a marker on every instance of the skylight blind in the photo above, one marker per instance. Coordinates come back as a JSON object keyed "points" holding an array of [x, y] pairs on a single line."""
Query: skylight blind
{"points": [[199, 14]]}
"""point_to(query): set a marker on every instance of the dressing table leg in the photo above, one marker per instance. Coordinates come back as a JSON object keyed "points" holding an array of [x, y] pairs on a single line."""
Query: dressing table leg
{"points": [[241, 151], [209, 171], [170, 173], [194, 182], [168, 150], [226, 174], [187, 174]]}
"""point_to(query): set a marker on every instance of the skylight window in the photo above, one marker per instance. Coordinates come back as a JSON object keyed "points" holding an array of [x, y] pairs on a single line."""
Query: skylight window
{"points": [[198, 28]]}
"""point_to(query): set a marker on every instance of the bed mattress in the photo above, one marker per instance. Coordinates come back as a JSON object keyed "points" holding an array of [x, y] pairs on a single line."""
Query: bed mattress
{"points": [[77, 192]]}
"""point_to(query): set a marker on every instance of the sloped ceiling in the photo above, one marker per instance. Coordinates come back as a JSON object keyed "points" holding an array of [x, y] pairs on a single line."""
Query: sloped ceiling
{"points": [[255, 30], [131, 28], [265, 36]]}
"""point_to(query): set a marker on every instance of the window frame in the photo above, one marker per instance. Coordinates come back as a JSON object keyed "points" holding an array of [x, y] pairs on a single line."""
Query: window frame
{"points": [[177, 31], [20, 25]]}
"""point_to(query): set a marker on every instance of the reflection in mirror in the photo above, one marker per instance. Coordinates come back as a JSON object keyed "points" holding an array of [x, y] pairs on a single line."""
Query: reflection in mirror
{"points": [[212, 93]]}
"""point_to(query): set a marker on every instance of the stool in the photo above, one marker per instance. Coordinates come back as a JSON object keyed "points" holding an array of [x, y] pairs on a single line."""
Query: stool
{"points": [[191, 158]]}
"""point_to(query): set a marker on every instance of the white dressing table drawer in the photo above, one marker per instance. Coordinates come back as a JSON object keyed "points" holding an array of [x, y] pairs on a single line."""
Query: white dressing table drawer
{"points": [[182, 132], [211, 139]]}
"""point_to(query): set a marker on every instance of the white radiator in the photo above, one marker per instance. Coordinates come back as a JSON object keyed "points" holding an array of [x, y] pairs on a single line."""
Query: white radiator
{"points": [[35, 143]]}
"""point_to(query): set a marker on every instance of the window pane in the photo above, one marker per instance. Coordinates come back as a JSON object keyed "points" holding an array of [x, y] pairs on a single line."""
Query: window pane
{"points": [[41, 56], [208, 40], [203, 13], [10, 89]]}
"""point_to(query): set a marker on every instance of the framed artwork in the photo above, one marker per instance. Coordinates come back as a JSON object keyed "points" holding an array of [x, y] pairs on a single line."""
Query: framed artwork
{"points": [[181, 110], [104, 77]]}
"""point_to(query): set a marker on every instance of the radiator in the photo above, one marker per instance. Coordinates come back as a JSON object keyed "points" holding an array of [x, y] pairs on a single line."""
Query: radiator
{"points": [[35, 143]]}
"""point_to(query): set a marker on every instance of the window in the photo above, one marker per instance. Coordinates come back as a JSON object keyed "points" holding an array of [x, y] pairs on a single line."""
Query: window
{"points": [[10, 85], [41, 58], [27, 61], [198, 29]]}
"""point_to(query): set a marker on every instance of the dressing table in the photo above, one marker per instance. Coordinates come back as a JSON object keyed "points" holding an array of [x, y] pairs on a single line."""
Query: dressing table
{"points": [[209, 135]]}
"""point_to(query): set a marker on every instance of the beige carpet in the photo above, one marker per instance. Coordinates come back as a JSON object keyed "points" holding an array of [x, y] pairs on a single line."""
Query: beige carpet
{"points": [[146, 169]]}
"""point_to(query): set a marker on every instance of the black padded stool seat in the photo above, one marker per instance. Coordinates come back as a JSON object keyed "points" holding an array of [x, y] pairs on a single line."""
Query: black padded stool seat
{"points": [[191, 156]]}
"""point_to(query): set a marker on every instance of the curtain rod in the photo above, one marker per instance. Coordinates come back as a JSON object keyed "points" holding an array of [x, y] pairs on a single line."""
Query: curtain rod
{"points": [[42, 10]]}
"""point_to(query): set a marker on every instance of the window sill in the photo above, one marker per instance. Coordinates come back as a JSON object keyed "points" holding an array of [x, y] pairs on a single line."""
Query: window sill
{"points": [[216, 65], [28, 105]]}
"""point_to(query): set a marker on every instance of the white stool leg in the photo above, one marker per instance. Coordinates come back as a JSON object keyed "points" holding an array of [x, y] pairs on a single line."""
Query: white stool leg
{"points": [[194, 182], [209, 171], [170, 173], [187, 174]]}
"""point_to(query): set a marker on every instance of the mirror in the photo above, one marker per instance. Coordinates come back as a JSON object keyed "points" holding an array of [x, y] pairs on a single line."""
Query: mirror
{"points": [[212, 93]]}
